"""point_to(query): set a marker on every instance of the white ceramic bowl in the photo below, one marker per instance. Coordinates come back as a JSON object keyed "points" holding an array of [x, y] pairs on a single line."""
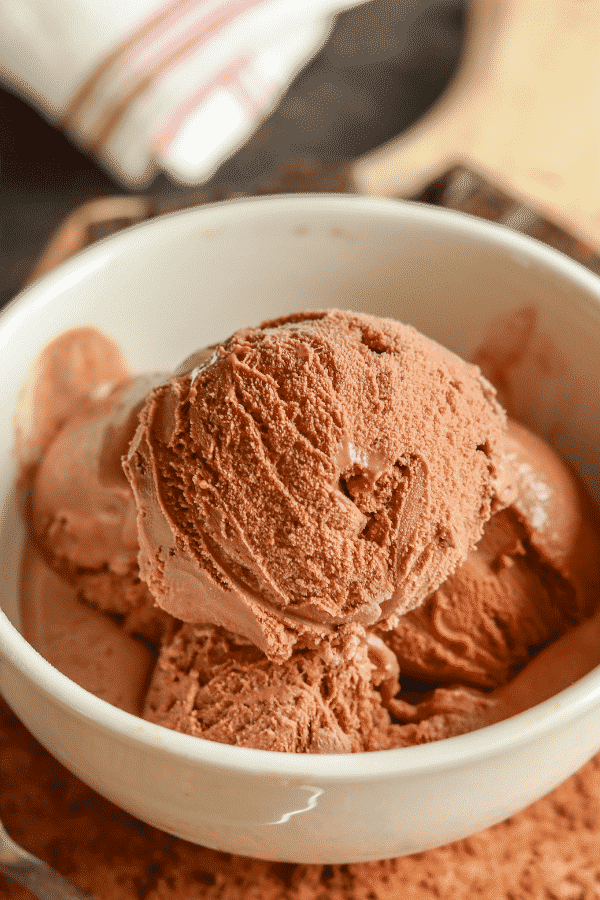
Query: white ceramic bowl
{"points": [[162, 289]]}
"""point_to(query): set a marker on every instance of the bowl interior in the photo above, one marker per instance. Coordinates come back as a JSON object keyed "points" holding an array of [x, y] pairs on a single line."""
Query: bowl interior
{"points": [[166, 288]]}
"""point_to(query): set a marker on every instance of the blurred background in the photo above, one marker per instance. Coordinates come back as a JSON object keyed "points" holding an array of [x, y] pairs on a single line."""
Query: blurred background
{"points": [[383, 65]]}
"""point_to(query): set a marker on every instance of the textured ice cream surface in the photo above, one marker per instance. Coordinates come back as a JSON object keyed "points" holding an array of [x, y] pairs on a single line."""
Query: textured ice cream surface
{"points": [[215, 685], [344, 697], [80, 506], [489, 617], [323, 469], [338, 698], [534, 574]]}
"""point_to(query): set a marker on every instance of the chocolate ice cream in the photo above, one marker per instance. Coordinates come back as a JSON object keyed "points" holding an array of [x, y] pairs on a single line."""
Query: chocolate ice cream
{"points": [[533, 575], [77, 364], [215, 685], [86, 645], [349, 546], [82, 510], [323, 469]]}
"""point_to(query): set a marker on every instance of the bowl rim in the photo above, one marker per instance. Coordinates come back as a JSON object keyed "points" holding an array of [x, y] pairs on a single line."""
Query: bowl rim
{"points": [[492, 740]]}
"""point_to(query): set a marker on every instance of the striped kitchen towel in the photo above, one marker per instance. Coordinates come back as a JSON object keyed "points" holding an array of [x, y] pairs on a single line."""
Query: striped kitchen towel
{"points": [[149, 85]]}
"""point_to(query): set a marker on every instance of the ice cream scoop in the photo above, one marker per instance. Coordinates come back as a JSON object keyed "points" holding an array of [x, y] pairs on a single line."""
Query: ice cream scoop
{"points": [[324, 469], [533, 575], [77, 364], [81, 510]]}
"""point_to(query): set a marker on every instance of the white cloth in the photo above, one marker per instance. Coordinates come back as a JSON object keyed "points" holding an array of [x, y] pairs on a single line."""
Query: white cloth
{"points": [[145, 85]]}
